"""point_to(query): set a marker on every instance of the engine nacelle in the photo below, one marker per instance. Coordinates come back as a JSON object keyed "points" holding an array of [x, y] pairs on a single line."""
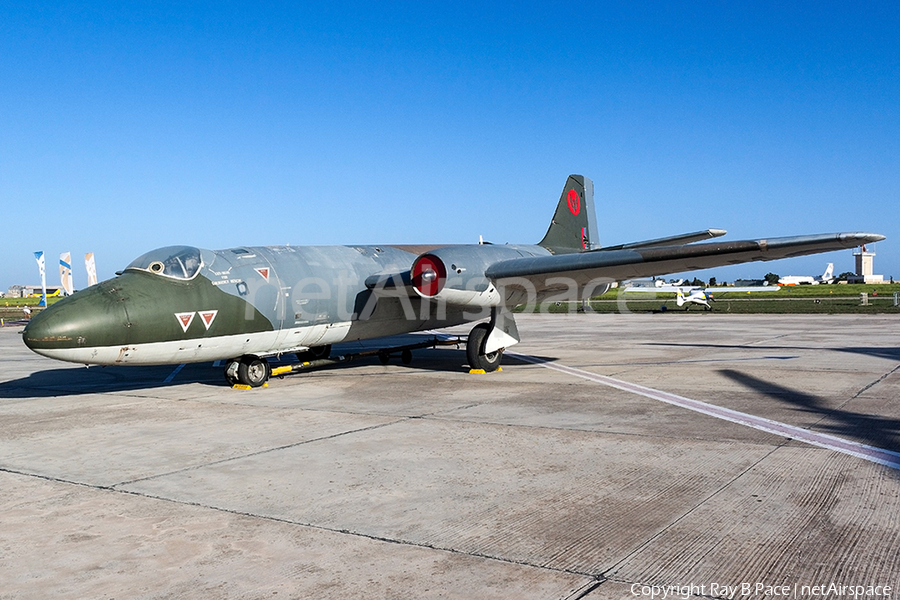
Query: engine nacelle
{"points": [[455, 274]]}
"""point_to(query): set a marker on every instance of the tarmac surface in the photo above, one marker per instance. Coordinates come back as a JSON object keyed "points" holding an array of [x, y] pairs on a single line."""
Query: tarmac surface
{"points": [[547, 480]]}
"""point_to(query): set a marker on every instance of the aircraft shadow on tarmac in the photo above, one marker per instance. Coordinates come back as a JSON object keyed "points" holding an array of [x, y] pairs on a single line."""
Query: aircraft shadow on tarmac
{"points": [[874, 430], [878, 352], [74, 381], [77, 382], [868, 429]]}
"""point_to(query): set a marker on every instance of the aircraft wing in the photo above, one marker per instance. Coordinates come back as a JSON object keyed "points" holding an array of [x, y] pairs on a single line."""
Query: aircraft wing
{"points": [[684, 289], [663, 289], [757, 288], [618, 265]]}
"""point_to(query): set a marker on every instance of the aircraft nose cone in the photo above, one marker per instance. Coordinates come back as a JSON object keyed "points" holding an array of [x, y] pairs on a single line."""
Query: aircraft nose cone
{"points": [[68, 329]]}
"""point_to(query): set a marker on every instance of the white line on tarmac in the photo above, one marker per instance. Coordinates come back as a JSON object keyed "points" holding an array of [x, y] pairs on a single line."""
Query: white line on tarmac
{"points": [[880, 456]]}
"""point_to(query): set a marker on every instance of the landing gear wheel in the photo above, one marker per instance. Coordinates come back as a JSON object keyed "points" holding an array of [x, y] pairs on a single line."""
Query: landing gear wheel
{"points": [[406, 356], [316, 353], [384, 357], [253, 371], [475, 350]]}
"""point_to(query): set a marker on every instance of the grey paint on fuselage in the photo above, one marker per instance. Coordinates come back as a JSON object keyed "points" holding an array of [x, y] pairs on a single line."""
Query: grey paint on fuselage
{"points": [[305, 286]]}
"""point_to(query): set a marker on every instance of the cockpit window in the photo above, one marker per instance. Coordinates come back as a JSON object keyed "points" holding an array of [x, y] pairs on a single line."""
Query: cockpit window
{"points": [[179, 262]]}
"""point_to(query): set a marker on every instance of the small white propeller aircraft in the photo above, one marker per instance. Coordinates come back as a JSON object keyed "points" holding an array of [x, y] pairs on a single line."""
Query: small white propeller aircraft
{"points": [[686, 295]]}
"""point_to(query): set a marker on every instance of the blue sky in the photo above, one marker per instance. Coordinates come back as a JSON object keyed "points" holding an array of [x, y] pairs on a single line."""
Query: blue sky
{"points": [[129, 126]]}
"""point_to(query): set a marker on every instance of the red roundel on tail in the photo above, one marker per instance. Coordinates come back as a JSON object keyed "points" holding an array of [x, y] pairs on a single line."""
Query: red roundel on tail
{"points": [[429, 275], [574, 202]]}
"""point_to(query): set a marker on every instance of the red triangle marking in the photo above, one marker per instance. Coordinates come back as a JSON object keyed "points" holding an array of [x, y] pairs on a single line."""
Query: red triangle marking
{"points": [[264, 271], [208, 317], [185, 319]]}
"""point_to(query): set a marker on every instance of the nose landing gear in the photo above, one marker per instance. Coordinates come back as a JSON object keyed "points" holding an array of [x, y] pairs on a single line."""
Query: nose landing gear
{"points": [[251, 371]]}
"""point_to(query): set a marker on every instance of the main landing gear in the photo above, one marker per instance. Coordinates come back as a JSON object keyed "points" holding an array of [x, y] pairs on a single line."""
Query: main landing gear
{"points": [[475, 354], [487, 341]]}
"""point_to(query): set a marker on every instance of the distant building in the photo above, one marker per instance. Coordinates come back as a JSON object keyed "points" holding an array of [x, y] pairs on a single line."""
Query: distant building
{"points": [[16, 291], [30, 291]]}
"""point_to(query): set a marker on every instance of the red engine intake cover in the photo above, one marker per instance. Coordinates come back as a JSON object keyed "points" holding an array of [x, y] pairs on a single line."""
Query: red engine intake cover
{"points": [[429, 275]]}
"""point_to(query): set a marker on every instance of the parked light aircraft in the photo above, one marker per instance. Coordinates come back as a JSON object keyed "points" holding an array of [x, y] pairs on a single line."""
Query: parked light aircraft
{"points": [[827, 277], [686, 295], [183, 304]]}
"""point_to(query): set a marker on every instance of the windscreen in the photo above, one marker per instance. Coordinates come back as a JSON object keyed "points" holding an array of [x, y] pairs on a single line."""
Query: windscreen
{"points": [[178, 262]]}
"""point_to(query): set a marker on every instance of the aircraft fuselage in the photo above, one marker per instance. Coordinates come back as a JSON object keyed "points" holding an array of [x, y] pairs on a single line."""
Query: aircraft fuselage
{"points": [[183, 304]]}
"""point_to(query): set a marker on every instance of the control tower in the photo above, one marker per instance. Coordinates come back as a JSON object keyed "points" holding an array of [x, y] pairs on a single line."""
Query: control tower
{"points": [[865, 264]]}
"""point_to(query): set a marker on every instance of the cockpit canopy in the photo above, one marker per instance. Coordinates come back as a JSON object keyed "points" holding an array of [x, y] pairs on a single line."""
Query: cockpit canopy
{"points": [[178, 262]]}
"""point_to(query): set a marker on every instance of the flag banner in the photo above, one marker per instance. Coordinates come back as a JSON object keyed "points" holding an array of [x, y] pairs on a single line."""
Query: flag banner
{"points": [[91, 268], [39, 257], [65, 273]]}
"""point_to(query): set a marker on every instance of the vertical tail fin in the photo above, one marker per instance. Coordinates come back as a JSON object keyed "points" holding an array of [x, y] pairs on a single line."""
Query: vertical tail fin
{"points": [[574, 224], [829, 272]]}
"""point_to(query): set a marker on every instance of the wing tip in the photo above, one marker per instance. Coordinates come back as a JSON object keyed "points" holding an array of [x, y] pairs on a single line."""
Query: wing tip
{"points": [[858, 238]]}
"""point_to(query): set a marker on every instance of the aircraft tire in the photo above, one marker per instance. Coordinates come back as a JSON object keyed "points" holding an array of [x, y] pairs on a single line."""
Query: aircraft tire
{"points": [[475, 350], [253, 371]]}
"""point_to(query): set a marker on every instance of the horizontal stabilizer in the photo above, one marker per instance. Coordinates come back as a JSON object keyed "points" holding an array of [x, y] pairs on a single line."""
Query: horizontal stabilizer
{"points": [[673, 240]]}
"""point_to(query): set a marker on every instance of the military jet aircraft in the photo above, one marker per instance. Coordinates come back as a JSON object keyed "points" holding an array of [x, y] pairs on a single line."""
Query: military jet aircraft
{"points": [[242, 305]]}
